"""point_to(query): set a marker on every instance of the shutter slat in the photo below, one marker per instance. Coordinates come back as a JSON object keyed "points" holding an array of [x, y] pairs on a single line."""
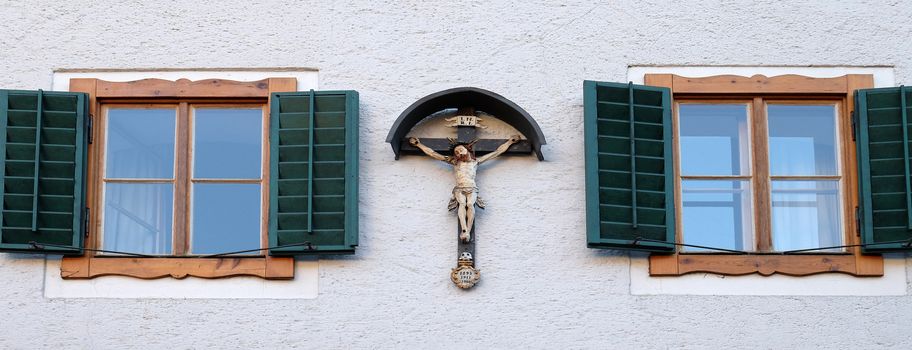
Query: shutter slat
{"points": [[625, 105], [629, 184], [314, 172], [626, 122], [885, 187], [43, 159]]}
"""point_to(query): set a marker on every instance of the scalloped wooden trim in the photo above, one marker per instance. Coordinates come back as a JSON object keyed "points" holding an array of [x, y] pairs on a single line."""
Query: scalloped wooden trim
{"points": [[181, 88], [756, 84], [766, 265], [152, 268]]}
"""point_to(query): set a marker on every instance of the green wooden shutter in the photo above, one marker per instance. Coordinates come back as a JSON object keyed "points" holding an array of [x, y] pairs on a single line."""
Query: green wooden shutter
{"points": [[44, 147], [314, 176], [629, 188], [885, 195]]}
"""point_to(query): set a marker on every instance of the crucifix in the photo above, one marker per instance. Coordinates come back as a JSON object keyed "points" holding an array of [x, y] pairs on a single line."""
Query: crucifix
{"points": [[465, 193]]}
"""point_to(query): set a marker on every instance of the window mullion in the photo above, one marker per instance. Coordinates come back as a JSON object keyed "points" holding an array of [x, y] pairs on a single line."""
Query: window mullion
{"points": [[182, 181], [761, 175]]}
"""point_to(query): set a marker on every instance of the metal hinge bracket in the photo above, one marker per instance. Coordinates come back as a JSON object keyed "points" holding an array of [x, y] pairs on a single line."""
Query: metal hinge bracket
{"points": [[857, 222], [854, 126], [90, 123], [87, 212]]}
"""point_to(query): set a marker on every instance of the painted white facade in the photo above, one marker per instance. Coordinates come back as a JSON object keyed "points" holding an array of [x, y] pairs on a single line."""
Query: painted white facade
{"points": [[541, 286]]}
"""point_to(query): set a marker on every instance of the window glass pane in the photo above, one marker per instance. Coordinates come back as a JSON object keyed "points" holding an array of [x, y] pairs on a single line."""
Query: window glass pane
{"points": [[717, 214], [226, 217], [802, 139], [140, 143], [137, 218], [806, 214], [714, 139], [227, 143]]}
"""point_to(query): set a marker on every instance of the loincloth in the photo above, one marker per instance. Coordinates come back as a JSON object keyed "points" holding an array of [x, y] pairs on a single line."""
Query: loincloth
{"points": [[465, 191]]}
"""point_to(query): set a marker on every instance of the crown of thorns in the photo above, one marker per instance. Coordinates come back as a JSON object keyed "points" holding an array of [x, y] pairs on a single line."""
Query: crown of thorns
{"points": [[469, 145]]}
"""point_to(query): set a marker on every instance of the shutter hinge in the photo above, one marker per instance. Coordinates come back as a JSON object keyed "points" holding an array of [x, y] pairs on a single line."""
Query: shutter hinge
{"points": [[857, 222], [854, 126], [87, 211], [89, 127]]}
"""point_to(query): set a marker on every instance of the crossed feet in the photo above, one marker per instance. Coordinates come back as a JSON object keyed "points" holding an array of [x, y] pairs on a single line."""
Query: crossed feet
{"points": [[464, 236]]}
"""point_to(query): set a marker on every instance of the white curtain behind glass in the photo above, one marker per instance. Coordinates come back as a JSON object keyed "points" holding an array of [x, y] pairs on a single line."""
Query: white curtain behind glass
{"points": [[140, 145], [805, 213], [138, 218], [715, 142]]}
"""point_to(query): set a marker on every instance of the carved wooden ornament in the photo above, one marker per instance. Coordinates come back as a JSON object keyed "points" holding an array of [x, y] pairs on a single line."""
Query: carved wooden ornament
{"points": [[465, 275]]}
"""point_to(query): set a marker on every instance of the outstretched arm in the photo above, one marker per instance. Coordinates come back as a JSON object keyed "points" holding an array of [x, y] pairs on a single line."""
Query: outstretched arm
{"points": [[500, 149], [427, 150]]}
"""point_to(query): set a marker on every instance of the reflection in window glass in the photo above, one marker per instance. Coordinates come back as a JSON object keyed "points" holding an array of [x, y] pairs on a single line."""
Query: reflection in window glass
{"points": [[227, 143], [802, 139], [805, 214], [714, 139], [137, 217], [226, 217], [717, 214], [140, 143]]}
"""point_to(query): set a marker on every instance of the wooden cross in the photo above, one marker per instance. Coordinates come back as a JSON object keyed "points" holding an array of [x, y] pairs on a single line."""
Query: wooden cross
{"points": [[466, 123]]}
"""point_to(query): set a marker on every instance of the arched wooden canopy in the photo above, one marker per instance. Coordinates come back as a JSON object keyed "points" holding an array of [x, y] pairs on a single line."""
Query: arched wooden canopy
{"points": [[481, 100]]}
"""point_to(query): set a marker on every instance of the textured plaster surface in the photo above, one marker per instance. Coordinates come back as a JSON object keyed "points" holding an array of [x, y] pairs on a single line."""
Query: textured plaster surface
{"points": [[541, 288]]}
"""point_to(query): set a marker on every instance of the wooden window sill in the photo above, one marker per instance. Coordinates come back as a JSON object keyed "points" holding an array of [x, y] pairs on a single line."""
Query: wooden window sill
{"points": [[266, 267], [766, 265]]}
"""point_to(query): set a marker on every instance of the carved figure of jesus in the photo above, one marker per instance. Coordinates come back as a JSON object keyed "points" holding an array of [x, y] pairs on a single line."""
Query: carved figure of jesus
{"points": [[465, 165]]}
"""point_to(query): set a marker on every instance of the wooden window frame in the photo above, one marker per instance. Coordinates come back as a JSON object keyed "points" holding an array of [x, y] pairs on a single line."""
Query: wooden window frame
{"points": [[758, 89], [182, 93]]}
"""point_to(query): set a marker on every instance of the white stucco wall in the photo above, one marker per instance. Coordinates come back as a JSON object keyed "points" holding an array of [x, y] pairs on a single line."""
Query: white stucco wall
{"points": [[541, 287]]}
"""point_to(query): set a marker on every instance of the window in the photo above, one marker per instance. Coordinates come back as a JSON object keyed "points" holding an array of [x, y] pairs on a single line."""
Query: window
{"points": [[209, 178], [737, 155], [727, 174], [147, 193], [159, 176], [181, 172]]}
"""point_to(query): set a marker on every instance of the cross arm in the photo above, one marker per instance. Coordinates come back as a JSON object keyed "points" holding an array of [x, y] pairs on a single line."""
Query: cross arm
{"points": [[427, 150], [481, 147], [500, 150]]}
